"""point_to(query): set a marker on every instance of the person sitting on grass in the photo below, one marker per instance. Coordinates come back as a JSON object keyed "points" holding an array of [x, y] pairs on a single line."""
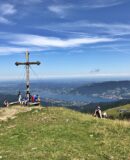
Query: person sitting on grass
{"points": [[25, 101], [98, 112], [38, 99]]}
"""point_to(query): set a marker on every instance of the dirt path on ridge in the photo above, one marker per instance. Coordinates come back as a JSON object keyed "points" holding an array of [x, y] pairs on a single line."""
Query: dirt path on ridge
{"points": [[11, 112]]}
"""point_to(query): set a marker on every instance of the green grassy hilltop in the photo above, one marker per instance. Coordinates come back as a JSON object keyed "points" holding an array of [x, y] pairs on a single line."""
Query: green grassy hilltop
{"points": [[61, 134], [121, 112]]}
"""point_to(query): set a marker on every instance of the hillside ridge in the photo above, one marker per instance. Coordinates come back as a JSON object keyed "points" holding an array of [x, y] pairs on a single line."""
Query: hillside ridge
{"points": [[63, 134]]}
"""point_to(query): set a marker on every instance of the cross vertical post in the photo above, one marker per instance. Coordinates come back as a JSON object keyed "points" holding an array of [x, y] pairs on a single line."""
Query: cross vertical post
{"points": [[27, 76], [27, 64]]}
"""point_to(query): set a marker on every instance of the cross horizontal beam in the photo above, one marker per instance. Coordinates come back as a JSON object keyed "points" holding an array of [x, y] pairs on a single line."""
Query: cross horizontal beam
{"points": [[27, 63]]}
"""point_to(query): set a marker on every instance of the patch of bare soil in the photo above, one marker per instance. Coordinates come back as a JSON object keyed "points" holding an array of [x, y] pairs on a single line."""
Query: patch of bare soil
{"points": [[11, 112]]}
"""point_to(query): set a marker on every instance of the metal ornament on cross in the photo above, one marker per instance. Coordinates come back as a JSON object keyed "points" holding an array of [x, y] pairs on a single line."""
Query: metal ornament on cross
{"points": [[27, 64]]}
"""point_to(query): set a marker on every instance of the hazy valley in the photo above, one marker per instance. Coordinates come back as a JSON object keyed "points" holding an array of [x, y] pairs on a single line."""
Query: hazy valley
{"points": [[76, 94]]}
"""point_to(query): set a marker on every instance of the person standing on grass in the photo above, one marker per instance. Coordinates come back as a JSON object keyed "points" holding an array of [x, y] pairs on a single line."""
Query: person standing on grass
{"points": [[19, 97], [6, 103], [98, 112]]}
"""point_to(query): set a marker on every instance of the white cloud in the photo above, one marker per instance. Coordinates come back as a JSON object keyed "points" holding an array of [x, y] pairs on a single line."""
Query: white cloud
{"points": [[95, 71], [64, 8], [102, 3], [7, 50], [32, 1], [41, 41], [17, 43], [113, 29], [27, 2], [4, 20], [59, 9], [85, 26], [7, 9], [56, 9]]}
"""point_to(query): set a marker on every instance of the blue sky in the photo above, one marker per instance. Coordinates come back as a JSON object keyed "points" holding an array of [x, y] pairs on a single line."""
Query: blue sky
{"points": [[71, 38]]}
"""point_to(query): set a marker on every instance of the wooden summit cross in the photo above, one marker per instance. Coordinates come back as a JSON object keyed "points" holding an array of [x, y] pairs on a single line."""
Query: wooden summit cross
{"points": [[27, 64]]}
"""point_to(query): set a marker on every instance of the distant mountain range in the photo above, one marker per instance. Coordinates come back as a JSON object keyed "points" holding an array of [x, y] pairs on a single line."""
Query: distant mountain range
{"points": [[110, 90], [79, 96]]}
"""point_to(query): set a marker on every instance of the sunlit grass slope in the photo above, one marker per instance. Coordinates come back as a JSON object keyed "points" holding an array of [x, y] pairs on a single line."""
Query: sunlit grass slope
{"points": [[61, 134], [120, 112]]}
